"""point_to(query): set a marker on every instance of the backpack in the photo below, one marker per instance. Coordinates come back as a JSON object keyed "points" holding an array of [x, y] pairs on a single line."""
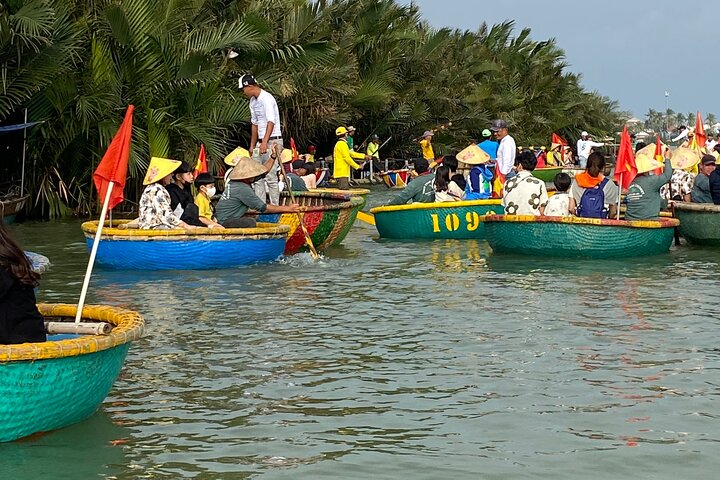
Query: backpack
{"points": [[592, 202], [478, 186]]}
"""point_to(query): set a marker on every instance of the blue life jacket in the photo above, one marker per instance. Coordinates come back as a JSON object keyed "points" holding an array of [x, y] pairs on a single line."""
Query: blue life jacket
{"points": [[592, 202], [479, 186]]}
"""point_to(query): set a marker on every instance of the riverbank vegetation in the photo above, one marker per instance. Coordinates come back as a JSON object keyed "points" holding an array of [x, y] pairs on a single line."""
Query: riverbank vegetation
{"points": [[375, 64]]}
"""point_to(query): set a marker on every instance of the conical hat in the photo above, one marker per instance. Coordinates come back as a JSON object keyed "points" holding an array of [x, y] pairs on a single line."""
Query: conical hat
{"points": [[286, 155], [236, 155], [246, 167], [684, 158], [645, 159], [160, 168], [473, 155]]}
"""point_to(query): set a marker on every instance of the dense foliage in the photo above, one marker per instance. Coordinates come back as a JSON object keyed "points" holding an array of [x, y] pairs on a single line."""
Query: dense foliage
{"points": [[77, 64]]}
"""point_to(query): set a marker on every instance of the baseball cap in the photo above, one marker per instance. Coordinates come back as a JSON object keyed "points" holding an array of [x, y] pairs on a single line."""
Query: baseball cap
{"points": [[584, 134], [246, 80], [498, 125], [428, 133], [707, 159], [486, 133], [298, 164]]}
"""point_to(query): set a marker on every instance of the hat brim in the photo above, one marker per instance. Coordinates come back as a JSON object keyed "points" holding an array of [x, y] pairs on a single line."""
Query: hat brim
{"points": [[160, 168], [234, 156], [246, 168]]}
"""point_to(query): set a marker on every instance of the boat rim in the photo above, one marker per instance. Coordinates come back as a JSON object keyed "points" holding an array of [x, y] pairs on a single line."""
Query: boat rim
{"points": [[597, 222], [263, 229], [129, 326], [697, 207], [433, 205]]}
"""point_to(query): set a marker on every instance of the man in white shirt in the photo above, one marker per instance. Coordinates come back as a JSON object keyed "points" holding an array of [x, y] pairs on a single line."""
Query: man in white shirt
{"points": [[265, 134], [584, 148], [711, 142], [506, 149]]}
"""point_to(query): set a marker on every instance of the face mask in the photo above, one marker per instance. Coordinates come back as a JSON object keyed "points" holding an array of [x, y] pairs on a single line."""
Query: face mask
{"points": [[210, 192]]}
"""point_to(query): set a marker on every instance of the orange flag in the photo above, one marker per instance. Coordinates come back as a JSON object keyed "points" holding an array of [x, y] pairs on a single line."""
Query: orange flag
{"points": [[625, 168], [700, 137], [114, 164], [201, 166], [557, 140]]}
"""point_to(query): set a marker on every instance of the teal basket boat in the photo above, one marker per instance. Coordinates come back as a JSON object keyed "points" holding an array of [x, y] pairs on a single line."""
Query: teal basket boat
{"points": [[50, 385], [447, 220], [578, 237], [699, 222], [546, 174]]}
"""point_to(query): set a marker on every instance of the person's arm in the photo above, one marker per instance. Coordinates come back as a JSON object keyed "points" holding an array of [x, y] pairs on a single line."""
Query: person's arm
{"points": [[666, 175], [208, 222], [293, 208], [253, 136], [597, 144], [347, 155], [612, 211], [405, 195], [358, 155]]}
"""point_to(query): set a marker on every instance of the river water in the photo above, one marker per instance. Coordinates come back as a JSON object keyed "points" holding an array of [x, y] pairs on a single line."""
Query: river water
{"points": [[391, 359]]}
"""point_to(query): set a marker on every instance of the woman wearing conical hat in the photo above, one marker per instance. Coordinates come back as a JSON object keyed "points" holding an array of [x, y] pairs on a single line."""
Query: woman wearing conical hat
{"points": [[155, 210]]}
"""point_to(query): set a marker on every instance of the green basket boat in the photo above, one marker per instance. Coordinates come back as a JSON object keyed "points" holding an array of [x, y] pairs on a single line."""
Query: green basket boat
{"points": [[546, 174], [447, 220], [49, 385], [699, 222], [578, 237]]}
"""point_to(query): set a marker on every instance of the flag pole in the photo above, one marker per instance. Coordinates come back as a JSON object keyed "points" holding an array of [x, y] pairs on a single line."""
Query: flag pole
{"points": [[619, 195], [93, 253]]}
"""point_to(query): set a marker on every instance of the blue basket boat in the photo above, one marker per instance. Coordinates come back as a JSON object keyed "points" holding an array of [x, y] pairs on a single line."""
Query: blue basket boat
{"points": [[202, 248], [50, 385], [575, 237]]}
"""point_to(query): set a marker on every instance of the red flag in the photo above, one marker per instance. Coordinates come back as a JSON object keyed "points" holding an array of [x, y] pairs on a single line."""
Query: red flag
{"points": [[114, 164], [557, 140], [293, 148], [201, 165], [625, 168], [700, 137]]}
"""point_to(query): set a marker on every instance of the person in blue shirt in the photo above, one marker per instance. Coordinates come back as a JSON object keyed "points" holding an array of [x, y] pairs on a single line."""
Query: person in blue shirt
{"points": [[488, 145]]}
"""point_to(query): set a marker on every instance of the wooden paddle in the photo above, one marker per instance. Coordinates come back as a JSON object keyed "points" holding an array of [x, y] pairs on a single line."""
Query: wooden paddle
{"points": [[308, 240], [366, 217]]}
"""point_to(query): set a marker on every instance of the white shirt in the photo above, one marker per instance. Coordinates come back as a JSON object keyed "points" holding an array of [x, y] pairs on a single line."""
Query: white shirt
{"points": [[264, 109], [710, 145], [558, 205], [524, 194], [506, 154], [585, 146]]}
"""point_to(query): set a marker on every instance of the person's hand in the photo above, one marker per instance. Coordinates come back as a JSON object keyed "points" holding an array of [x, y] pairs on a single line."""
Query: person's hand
{"points": [[263, 148], [368, 158], [293, 208], [668, 153]]}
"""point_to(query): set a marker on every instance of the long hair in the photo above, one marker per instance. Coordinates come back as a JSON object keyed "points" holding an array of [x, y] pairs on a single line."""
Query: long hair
{"points": [[442, 178], [595, 164], [13, 259]]}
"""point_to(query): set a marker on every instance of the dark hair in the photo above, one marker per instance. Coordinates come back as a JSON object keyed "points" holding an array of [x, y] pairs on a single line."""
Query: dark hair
{"points": [[639, 146], [183, 168], [13, 259], [459, 180], [204, 179], [442, 178], [310, 167], [595, 164], [562, 182], [451, 162], [526, 160], [717, 148], [421, 165]]}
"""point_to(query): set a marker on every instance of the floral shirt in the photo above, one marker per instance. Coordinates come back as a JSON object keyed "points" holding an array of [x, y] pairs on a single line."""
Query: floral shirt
{"points": [[524, 195], [155, 211], [682, 184]]}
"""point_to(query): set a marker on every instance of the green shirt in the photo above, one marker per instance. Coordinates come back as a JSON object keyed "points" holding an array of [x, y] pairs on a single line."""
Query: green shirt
{"points": [[235, 201], [419, 189], [298, 184], [350, 141], [701, 189], [643, 197]]}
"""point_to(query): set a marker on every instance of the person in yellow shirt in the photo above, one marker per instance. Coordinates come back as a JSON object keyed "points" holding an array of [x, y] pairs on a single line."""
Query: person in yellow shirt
{"points": [[310, 156], [426, 145], [343, 159], [205, 186], [373, 152]]}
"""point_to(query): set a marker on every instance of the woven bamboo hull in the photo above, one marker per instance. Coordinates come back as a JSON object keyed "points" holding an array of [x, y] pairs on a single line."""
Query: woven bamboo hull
{"points": [[178, 250], [50, 385], [578, 237], [699, 223], [451, 220], [10, 208], [328, 218], [546, 174], [355, 192]]}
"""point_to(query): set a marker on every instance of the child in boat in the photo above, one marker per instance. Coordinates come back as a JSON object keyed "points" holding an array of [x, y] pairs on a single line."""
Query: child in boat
{"points": [[479, 183], [558, 204], [445, 190], [20, 320], [205, 186], [592, 195], [155, 209]]}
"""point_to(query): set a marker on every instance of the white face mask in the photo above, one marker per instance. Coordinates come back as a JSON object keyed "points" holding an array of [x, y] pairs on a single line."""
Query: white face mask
{"points": [[210, 192]]}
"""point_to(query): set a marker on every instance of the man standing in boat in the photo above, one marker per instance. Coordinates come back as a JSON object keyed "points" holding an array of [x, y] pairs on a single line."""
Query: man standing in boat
{"points": [[343, 159], [507, 148], [584, 147], [265, 134]]}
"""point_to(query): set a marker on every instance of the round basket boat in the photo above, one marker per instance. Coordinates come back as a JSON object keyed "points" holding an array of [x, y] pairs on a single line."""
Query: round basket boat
{"points": [[546, 174], [9, 208], [50, 385], [328, 218], [578, 237], [434, 220], [699, 222], [396, 179], [201, 248]]}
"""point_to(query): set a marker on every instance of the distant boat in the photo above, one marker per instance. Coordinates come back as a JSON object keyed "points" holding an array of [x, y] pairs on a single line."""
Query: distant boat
{"points": [[699, 222], [11, 206]]}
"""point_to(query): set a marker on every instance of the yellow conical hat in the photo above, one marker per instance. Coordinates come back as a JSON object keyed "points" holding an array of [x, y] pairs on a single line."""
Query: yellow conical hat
{"points": [[645, 159], [684, 158], [286, 155], [160, 168], [473, 155], [236, 155]]}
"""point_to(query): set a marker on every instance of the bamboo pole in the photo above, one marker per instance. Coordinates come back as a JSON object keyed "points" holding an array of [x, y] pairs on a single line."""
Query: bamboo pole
{"points": [[93, 253], [620, 188], [22, 174], [78, 328]]}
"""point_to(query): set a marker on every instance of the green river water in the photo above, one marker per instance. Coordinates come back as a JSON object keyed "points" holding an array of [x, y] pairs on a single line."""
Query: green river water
{"points": [[389, 360]]}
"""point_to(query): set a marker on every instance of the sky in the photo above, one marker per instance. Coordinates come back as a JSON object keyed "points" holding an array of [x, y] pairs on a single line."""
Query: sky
{"points": [[632, 51]]}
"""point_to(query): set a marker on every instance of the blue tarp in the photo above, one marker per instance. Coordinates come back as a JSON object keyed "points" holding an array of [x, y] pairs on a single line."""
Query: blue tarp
{"points": [[13, 128]]}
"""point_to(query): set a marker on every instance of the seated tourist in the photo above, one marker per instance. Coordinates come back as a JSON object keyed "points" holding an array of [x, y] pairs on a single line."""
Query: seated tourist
{"points": [[593, 195], [458, 181], [420, 189], [181, 198], [714, 182], [205, 186], [307, 173], [20, 320], [479, 183], [294, 177], [559, 204], [239, 195], [451, 162], [680, 186], [524, 194], [701, 185], [155, 209], [445, 190], [643, 197]]}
